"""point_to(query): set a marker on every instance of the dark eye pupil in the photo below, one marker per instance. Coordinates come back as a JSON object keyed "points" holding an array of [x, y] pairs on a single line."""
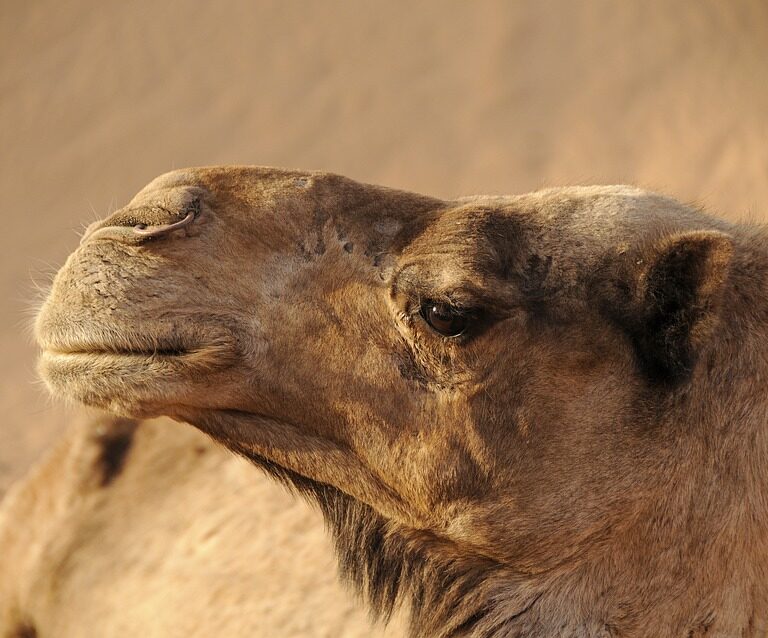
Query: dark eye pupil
{"points": [[444, 319]]}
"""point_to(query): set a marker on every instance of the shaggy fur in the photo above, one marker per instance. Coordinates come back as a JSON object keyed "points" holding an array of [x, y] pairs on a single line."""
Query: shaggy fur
{"points": [[115, 444], [587, 457], [447, 594]]}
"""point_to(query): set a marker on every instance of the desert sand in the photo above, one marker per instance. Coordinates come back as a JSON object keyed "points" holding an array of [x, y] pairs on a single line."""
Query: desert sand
{"points": [[446, 98]]}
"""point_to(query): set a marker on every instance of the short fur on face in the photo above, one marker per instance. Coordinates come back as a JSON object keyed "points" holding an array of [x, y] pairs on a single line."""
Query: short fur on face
{"points": [[531, 415]]}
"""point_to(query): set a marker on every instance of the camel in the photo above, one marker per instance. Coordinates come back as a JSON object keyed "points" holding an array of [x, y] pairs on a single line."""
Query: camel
{"points": [[148, 528], [534, 415]]}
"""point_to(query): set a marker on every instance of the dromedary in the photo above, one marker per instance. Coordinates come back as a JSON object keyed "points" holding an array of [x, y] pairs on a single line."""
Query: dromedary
{"points": [[539, 415], [152, 530]]}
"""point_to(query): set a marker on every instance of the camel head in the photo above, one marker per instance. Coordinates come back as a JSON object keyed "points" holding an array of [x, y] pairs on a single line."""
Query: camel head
{"points": [[527, 386]]}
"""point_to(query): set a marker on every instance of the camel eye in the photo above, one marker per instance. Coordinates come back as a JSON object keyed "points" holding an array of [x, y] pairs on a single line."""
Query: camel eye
{"points": [[444, 319]]}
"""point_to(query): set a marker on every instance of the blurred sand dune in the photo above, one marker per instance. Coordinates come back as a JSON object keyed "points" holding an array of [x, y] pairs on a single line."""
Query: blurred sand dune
{"points": [[447, 98]]}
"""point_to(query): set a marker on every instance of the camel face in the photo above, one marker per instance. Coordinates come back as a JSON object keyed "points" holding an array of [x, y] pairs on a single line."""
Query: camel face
{"points": [[493, 370]]}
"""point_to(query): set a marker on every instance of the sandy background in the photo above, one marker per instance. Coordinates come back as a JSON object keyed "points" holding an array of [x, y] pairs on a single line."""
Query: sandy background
{"points": [[447, 98]]}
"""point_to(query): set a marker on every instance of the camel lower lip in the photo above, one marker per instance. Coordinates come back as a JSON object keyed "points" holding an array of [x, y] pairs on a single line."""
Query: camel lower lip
{"points": [[87, 362], [114, 381], [128, 382], [81, 361], [131, 373]]}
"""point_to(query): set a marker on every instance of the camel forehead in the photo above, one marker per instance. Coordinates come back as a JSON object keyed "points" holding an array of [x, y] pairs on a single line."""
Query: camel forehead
{"points": [[573, 219], [602, 216]]}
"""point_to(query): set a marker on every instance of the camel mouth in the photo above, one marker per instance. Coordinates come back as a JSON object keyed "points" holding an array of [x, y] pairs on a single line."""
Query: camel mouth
{"points": [[127, 370], [160, 350], [133, 344], [176, 338], [81, 350], [102, 356]]}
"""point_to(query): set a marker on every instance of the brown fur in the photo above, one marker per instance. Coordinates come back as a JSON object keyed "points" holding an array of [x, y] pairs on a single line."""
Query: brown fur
{"points": [[589, 459], [187, 541]]}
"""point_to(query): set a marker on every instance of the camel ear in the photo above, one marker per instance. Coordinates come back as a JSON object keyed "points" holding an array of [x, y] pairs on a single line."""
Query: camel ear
{"points": [[675, 293]]}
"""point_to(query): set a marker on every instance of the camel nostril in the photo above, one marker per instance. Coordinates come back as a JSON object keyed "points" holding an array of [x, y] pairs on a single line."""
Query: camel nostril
{"points": [[131, 227], [163, 214], [156, 231]]}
